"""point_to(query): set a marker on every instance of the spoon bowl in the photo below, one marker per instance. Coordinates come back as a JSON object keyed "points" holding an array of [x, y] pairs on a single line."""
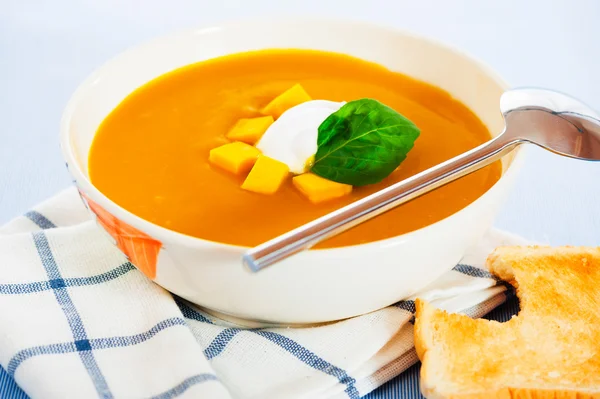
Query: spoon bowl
{"points": [[552, 120]]}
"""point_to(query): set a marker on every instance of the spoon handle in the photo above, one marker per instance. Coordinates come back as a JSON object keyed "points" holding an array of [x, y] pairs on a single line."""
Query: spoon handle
{"points": [[369, 207]]}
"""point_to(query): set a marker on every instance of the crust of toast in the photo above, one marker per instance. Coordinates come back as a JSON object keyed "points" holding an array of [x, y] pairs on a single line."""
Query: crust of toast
{"points": [[550, 350]]}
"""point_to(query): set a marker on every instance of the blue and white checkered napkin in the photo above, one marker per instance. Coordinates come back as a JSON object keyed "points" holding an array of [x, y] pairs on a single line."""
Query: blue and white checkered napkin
{"points": [[79, 321]]}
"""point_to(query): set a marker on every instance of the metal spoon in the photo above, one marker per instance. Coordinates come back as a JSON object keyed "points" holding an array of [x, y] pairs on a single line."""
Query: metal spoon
{"points": [[549, 119]]}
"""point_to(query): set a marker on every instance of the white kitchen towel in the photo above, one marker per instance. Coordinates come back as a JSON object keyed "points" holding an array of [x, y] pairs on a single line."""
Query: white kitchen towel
{"points": [[77, 320]]}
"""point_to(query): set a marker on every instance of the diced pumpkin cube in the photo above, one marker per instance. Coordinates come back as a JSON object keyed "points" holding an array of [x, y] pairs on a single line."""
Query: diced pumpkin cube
{"points": [[291, 97], [250, 130], [236, 157], [318, 189], [266, 176]]}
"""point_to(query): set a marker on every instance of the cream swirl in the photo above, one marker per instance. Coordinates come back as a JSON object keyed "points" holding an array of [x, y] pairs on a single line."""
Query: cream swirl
{"points": [[292, 138]]}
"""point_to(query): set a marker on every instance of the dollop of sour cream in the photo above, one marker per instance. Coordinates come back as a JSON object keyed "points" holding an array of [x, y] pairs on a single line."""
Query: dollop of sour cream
{"points": [[292, 138]]}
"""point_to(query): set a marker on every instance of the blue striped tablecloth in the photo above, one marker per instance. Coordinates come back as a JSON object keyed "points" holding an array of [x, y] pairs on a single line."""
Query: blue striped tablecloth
{"points": [[404, 386]]}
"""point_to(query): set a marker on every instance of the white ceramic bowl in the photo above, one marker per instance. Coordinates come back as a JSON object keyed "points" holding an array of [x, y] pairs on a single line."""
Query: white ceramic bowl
{"points": [[314, 286]]}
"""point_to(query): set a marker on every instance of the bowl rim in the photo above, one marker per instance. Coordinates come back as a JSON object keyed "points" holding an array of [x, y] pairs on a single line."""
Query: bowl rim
{"points": [[164, 234]]}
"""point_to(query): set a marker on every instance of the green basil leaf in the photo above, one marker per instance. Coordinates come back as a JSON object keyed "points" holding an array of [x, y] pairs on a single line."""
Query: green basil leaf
{"points": [[362, 143]]}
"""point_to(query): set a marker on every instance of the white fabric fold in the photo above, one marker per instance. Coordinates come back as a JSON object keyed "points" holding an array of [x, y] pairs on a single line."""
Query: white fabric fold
{"points": [[78, 320]]}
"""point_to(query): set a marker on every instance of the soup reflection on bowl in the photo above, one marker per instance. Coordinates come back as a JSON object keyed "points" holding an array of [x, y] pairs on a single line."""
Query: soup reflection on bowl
{"points": [[138, 133]]}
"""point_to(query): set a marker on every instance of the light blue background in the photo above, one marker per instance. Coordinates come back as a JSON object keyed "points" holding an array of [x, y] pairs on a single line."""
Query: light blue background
{"points": [[48, 47]]}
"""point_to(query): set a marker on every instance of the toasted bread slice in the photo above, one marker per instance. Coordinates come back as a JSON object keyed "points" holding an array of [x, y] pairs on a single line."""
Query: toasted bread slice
{"points": [[550, 350]]}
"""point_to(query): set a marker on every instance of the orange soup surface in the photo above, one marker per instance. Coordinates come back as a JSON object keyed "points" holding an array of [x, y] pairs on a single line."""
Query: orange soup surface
{"points": [[150, 155]]}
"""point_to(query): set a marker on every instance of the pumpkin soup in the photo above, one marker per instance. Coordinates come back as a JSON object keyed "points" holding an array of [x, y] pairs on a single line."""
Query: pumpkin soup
{"points": [[193, 149]]}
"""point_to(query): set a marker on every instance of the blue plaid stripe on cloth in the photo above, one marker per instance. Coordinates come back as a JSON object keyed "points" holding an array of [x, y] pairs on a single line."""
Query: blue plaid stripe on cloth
{"points": [[77, 320]]}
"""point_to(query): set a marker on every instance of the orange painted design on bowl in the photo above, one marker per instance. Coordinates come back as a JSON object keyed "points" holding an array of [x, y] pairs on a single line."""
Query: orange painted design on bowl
{"points": [[141, 249]]}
